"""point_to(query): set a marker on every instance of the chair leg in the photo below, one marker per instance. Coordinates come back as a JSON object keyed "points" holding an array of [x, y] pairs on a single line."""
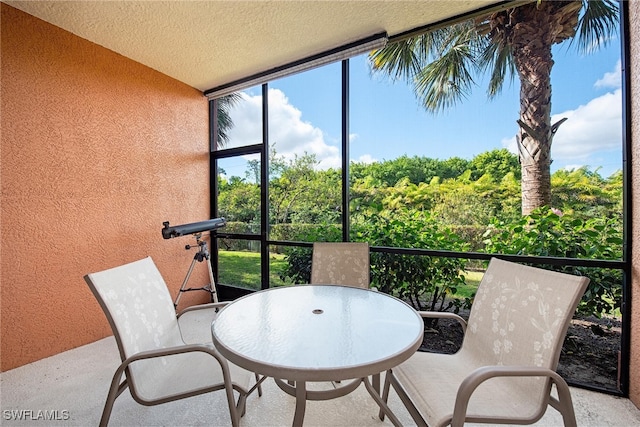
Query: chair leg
{"points": [[404, 397], [115, 390], [234, 409], [259, 382], [375, 394], [385, 392], [242, 404], [564, 403]]}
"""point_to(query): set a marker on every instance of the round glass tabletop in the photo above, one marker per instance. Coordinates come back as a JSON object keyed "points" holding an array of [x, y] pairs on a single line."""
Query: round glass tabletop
{"points": [[317, 332]]}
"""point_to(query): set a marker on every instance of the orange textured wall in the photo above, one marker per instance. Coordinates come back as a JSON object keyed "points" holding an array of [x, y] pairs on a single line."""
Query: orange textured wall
{"points": [[97, 151], [634, 375]]}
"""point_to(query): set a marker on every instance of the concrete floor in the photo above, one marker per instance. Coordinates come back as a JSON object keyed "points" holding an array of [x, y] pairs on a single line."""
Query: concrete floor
{"points": [[71, 388]]}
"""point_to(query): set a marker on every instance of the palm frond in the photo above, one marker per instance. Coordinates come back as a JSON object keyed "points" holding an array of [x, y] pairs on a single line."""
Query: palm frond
{"points": [[597, 24], [447, 80], [230, 100], [225, 123], [498, 58], [401, 59], [441, 64], [450, 54]]}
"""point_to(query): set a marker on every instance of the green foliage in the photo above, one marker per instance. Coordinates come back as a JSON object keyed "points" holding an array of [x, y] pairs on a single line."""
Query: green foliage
{"points": [[300, 194], [240, 244], [549, 232], [239, 200], [429, 283], [495, 163], [460, 201], [471, 234], [464, 201], [298, 268], [418, 202], [585, 191], [414, 169]]}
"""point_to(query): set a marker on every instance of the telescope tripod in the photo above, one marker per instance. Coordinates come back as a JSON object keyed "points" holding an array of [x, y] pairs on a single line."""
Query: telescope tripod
{"points": [[201, 255]]}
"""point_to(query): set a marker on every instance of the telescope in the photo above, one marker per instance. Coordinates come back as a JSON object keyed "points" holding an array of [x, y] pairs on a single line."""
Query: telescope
{"points": [[191, 228], [195, 228]]}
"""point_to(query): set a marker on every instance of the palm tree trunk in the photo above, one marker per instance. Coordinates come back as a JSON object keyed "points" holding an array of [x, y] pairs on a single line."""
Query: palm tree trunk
{"points": [[535, 137], [536, 28]]}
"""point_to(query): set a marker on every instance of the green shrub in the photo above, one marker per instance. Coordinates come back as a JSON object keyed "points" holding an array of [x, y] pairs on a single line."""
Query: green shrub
{"points": [[549, 232], [428, 283]]}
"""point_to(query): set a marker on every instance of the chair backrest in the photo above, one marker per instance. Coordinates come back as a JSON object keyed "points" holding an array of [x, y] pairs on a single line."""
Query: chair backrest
{"points": [[136, 301], [341, 263], [520, 316]]}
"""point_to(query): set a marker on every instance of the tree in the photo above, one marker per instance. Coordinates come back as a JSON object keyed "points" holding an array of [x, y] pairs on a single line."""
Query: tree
{"points": [[415, 169], [441, 65], [300, 194], [239, 200], [496, 163], [253, 170], [587, 193]]}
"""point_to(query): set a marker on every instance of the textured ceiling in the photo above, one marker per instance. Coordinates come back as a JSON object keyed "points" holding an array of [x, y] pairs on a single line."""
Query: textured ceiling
{"points": [[209, 43]]}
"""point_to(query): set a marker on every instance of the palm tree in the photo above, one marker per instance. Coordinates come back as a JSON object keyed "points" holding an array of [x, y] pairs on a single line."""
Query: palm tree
{"points": [[441, 65], [225, 123]]}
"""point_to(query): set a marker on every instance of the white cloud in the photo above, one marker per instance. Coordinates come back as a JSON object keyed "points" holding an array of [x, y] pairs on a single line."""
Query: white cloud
{"points": [[510, 144], [366, 159], [246, 117], [595, 126], [287, 130], [612, 79], [590, 129]]}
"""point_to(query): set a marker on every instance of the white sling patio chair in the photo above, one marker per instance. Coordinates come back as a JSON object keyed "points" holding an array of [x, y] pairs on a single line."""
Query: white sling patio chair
{"points": [[505, 368], [340, 263], [157, 365]]}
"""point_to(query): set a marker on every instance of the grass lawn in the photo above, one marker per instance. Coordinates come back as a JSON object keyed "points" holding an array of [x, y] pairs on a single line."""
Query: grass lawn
{"points": [[243, 269], [473, 280]]}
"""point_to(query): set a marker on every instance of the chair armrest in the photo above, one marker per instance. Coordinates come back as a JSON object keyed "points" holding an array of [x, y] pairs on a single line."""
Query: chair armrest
{"points": [[480, 375], [444, 315], [169, 351], [164, 352], [195, 322], [214, 305]]}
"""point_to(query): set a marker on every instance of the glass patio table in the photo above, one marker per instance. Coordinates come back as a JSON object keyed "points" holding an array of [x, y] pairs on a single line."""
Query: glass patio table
{"points": [[318, 333]]}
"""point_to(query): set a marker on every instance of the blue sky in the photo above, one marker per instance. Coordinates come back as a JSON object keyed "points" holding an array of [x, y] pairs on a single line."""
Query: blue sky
{"points": [[387, 121]]}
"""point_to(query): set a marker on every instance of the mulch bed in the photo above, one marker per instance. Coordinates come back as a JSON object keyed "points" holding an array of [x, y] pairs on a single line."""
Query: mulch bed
{"points": [[589, 355]]}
